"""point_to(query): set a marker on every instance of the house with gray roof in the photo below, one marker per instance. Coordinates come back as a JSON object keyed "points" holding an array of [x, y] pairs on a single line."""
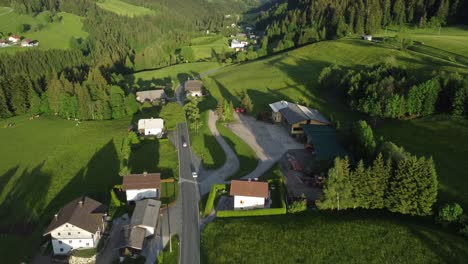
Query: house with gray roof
{"points": [[294, 115], [151, 96], [142, 225]]}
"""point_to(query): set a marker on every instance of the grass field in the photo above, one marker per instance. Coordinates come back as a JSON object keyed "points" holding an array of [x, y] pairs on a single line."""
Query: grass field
{"points": [[247, 157], [55, 35], [168, 257], [174, 74], [318, 237], [206, 47], [47, 162], [124, 9]]}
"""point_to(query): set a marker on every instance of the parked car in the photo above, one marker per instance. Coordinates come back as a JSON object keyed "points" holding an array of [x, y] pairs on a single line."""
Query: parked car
{"points": [[194, 174], [184, 144], [240, 110]]}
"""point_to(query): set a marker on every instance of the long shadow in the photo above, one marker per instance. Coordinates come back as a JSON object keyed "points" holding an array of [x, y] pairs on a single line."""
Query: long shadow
{"points": [[6, 177]]}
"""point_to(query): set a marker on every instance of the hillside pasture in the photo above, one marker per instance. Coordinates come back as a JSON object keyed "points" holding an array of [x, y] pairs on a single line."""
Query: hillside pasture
{"points": [[205, 48], [325, 237], [51, 35], [124, 9]]}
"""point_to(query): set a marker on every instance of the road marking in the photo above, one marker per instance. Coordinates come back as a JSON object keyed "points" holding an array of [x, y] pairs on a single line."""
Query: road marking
{"points": [[181, 180]]}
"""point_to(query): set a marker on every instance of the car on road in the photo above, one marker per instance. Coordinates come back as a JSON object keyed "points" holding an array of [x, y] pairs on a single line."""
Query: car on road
{"points": [[184, 143], [194, 174]]}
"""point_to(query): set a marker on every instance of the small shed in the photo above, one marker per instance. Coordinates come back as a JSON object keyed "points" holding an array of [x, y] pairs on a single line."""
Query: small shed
{"points": [[367, 37]]}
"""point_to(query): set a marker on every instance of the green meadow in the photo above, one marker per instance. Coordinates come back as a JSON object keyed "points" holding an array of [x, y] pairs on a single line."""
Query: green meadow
{"points": [[52, 35], [124, 8], [327, 237], [205, 48]]}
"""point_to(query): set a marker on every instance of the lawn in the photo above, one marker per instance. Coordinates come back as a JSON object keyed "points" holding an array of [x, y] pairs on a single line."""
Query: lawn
{"points": [[446, 140], [47, 162], [247, 158], [124, 9], [176, 74], [54, 35], [320, 237], [207, 47], [168, 257]]}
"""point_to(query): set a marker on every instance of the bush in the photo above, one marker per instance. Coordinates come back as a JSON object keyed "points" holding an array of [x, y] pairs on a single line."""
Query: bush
{"points": [[215, 189], [450, 213], [298, 206], [254, 212]]}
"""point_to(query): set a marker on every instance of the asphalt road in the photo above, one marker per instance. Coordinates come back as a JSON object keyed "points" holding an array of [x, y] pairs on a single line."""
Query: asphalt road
{"points": [[190, 235]]}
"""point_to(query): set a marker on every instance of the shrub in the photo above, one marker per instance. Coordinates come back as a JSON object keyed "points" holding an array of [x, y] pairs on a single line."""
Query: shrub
{"points": [[254, 212], [298, 206], [215, 189], [450, 213]]}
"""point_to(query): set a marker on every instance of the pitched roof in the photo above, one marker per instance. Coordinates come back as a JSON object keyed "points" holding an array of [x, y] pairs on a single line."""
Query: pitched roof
{"points": [[146, 213], [249, 188], [82, 212], [294, 113], [193, 85], [133, 237], [151, 123], [150, 95], [142, 181]]}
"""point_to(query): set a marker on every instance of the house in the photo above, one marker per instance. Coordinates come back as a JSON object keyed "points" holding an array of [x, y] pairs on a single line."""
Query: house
{"points": [[78, 224], [194, 88], [142, 225], [14, 38], [241, 35], [235, 44], [293, 116], [323, 141], [367, 37], [3, 43], [151, 96], [151, 127], [141, 186], [249, 194], [29, 43]]}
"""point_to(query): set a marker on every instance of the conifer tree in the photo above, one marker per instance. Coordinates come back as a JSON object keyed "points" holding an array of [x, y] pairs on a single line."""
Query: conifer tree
{"points": [[337, 193]]}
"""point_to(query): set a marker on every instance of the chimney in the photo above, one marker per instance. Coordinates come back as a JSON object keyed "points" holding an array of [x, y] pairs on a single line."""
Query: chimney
{"points": [[250, 180], [145, 173], [56, 217], [80, 203]]}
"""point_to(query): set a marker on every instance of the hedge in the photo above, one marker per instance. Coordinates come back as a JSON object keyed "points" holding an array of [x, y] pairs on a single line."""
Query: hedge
{"points": [[254, 212], [212, 197]]}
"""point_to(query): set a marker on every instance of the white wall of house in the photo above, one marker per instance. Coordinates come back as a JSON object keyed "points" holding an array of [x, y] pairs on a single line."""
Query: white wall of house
{"points": [[248, 202], [135, 195], [67, 237], [149, 229], [153, 131], [195, 93], [12, 39]]}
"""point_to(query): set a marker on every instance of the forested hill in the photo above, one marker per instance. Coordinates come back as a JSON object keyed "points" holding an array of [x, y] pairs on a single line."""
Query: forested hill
{"points": [[77, 83], [296, 22]]}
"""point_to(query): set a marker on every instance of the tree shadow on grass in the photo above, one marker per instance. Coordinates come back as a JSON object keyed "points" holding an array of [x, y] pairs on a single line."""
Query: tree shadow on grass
{"points": [[145, 157]]}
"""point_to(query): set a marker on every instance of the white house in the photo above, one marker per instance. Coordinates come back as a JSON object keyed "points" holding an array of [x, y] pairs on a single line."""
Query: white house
{"points": [[249, 194], [151, 127], [235, 44], [29, 43], [14, 38], [78, 224], [194, 88], [3, 43], [142, 186], [367, 37]]}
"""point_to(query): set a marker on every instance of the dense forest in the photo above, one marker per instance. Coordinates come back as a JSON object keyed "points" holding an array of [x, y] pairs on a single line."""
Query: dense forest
{"points": [[297, 22], [63, 82]]}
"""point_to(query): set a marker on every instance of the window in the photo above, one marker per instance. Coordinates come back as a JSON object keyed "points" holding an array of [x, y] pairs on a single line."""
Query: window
{"points": [[60, 241], [58, 234], [241, 202], [66, 225], [87, 244], [79, 233], [70, 241], [61, 249], [69, 233]]}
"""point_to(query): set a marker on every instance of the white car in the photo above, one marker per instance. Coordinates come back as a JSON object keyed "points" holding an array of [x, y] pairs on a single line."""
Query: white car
{"points": [[194, 174], [184, 144]]}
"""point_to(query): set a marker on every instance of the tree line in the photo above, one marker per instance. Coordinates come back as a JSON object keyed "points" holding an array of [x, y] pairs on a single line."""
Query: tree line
{"points": [[392, 179], [388, 91], [297, 22]]}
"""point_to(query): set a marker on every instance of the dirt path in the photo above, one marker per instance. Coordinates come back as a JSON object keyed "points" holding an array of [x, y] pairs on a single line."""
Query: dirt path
{"points": [[231, 165]]}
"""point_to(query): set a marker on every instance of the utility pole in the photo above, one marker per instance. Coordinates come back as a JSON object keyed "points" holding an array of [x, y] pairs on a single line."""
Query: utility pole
{"points": [[169, 225]]}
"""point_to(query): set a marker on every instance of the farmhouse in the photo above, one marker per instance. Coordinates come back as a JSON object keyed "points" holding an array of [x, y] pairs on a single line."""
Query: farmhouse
{"points": [[142, 225], [237, 44], [151, 96], [323, 141], [14, 38], [29, 43], [294, 115], [77, 225], [3, 43], [194, 88], [249, 194], [151, 127], [367, 37], [142, 186]]}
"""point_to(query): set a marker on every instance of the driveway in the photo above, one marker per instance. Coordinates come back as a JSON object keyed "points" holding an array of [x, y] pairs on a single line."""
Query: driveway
{"points": [[269, 141], [208, 178]]}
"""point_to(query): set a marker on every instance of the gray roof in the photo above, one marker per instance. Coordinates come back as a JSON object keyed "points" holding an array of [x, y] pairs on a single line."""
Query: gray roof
{"points": [[151, 95], [294, 113], [146, 213], [133, 237]]}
